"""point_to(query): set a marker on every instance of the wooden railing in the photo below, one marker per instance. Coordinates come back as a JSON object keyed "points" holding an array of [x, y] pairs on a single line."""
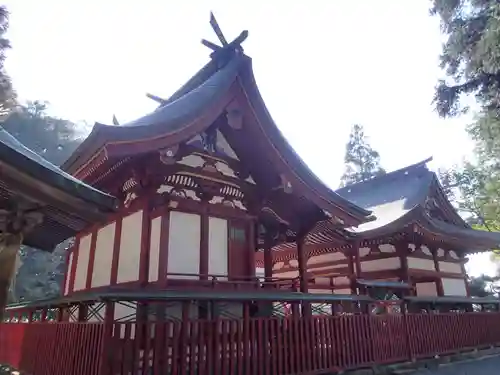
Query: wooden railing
{"points": [[52, 348], [259, 346]]}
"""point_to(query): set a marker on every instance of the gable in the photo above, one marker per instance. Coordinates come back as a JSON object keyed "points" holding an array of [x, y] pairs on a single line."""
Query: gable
{"points": [[222, 147]]}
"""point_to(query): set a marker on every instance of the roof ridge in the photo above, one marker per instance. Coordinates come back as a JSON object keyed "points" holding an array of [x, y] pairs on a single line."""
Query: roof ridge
{"points": [[385, 176]]}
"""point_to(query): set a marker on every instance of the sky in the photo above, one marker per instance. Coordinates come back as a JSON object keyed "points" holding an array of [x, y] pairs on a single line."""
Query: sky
{"points": [[321, 67]]}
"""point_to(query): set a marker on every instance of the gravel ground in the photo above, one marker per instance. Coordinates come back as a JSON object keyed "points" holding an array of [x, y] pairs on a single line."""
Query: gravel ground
{"points": [[489, 366]]}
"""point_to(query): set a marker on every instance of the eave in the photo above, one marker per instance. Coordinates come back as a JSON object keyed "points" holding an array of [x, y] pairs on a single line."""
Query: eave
{"points": [[162, 129], [29, 183], [467, 240], [28, 168]]}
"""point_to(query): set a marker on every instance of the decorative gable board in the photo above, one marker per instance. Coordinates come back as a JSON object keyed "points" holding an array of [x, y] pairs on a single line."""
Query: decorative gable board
{"points": [[222, 146]]}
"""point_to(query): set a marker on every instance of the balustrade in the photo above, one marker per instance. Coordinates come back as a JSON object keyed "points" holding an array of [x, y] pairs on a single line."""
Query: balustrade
{"points": [[229, 333]]}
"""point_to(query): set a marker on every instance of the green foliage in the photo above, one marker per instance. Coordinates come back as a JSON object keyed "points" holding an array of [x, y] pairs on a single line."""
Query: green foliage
{"points": [[7, 94], [362, 162], [471, 61], [53, 138], [471, 53], [483, 286]]}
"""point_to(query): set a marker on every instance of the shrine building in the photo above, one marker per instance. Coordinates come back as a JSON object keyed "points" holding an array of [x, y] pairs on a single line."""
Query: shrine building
{"points": [[417, 239], [205, 181], [172, 214]]}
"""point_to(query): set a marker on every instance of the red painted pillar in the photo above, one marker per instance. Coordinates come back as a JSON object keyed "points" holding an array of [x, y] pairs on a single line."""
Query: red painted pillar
{"points": [[268, 258], [402, 249], [252, 248], [303, 277], [302, 260], [439, 281], [354, 265], [204, 234]]}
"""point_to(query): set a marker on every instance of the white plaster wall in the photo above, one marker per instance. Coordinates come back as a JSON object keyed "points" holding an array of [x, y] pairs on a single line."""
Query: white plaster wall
{"points": [[327, 268], [320, 291], [217, 246], [259, 272], [101, 273], [154, 248], [342, 291], [328, 257], [278, 265], [322, 280], [287, 275], [454, 287], [68, 273], [184, 244], [341, 280], [421, 264], [387, 248], [450, 267], [192, 161], [426, 289], [380, 264], [130, 248], [82, 263]]}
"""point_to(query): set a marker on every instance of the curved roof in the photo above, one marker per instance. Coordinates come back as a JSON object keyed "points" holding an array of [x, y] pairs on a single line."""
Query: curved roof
{"points": [[22, 158], [391, 197], [399, 198], [183, 107], [67, 204], [193, 108]]}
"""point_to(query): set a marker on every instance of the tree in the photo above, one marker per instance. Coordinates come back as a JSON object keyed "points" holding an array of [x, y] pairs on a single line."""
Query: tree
{"points": [[471, 54], [362, 162], [471, 60], [53, 138], [483, 286], [7, 94]]}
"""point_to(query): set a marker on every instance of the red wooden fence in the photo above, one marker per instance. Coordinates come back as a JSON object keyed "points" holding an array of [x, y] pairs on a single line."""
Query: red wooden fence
{"points": [[259, 346], [52, 348]]}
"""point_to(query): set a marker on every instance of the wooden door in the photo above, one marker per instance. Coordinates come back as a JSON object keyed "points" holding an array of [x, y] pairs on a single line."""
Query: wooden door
{"points": [[238, 249]]}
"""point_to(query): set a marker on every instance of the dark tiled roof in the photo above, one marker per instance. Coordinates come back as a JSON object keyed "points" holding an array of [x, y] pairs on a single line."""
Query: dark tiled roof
{"points": [[19, 156], [185, 105], [398, 199], [391, 196], [67, 204], [189, 102]]}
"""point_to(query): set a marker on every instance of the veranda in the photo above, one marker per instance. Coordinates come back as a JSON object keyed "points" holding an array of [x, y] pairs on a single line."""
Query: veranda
{"points": [[277, 332]]}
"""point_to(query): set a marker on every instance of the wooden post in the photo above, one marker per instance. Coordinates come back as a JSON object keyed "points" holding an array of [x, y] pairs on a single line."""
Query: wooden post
{"points": [[402, 249], [354, 265], [303, 277], [439, 281], [268, 258], [9, 246], [252, 248], [301, 257]]}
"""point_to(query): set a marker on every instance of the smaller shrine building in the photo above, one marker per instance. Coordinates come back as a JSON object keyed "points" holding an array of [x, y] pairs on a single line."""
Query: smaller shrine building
{"points": [[418, 239]]}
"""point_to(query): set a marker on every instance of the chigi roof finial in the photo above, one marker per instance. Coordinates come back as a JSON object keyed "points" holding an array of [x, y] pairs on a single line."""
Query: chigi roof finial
{"points": [[234, 45]]}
